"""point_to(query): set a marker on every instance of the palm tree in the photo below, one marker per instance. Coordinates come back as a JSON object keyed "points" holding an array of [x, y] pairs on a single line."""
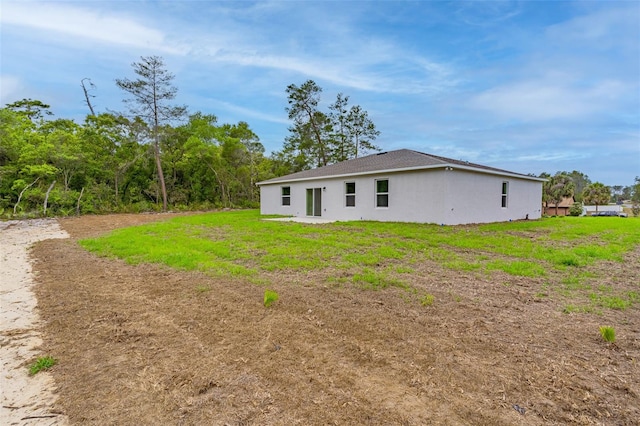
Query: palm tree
{"points": [[557, 188], [596, 193]]}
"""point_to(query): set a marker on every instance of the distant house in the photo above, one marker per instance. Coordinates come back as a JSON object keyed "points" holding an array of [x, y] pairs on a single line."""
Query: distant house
{"points": [[563, 207], [589, 210], [404, 186]]}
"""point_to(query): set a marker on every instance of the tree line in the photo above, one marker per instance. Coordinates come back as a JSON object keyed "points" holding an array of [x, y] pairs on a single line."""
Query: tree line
{"points": [[156, 155], [578, 186]]}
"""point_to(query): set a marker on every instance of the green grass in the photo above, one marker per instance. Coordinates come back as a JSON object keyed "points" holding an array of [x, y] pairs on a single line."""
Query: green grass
{"points": [[270, 297], [608, 333], [42, 363], [378, 255], [427, 300], [584, 309], [375, 280], [611, 302], [576, 282]]}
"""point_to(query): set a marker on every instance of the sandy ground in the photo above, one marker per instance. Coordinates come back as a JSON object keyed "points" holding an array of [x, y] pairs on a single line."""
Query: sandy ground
{"points": [[25, 399]]}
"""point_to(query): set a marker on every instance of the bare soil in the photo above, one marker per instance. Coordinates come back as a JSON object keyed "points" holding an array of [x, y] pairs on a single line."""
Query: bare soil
{"points": [[150, 345]]}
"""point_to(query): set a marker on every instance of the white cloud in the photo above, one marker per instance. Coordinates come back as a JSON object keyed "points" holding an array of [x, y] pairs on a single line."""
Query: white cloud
{"points": [[615, 26], [486, 13], [339, 52], [355, 72], [82, 24], [544, 100], [549, 156], [578, 69], [247, 112]]}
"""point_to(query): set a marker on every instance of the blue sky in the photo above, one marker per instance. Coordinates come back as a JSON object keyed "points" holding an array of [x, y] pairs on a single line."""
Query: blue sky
{"points": [[529, 86]]}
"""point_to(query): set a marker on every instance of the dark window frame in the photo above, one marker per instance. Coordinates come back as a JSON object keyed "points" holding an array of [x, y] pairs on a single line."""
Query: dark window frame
{"points": [[350, 194], [285, 193], [505, 195], [382, 193]]}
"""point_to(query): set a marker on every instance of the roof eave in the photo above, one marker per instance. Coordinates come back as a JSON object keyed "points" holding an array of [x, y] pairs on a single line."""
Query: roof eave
{"points": [[497, 172], [452, 166]]}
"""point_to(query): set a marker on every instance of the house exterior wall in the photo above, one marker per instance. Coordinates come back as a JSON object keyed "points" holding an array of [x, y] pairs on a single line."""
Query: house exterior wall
{"points": [[477, 198], [449, 197]]}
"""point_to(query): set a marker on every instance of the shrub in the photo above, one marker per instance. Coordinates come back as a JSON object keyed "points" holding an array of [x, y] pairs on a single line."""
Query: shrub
{"points": [[575, 209]]}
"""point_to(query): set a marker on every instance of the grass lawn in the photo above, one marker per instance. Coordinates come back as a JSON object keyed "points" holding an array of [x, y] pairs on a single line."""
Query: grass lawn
{"points": [[563, 253]]}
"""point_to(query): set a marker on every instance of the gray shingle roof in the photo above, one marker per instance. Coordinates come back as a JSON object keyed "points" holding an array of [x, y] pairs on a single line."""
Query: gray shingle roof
{"points": [[401, 159]]}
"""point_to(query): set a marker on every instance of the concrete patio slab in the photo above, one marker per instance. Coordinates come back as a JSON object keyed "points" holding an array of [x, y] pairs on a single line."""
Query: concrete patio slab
{"points": [[313, 220]]}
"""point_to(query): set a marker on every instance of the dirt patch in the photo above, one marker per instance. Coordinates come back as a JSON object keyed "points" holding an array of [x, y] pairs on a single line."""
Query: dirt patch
{"points": [[150, 345]]}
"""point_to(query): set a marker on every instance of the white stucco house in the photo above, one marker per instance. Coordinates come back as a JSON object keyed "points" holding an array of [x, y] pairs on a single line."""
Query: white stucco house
{"points": [[404, 186]]}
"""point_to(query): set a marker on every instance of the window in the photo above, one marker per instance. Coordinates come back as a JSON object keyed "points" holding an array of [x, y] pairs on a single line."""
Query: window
{"points": [[505, 193], [286, 195], [350, 191], [382, 193]]}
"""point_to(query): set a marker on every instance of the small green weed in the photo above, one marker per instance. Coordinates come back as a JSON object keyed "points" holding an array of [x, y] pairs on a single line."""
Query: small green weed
{"points": [[462, 265], [203, 288], [611, 302], [602, 288], [427, 300], [270, 297], [544, 290], [578, 309], [373, 280], [575, 282], [568, 261], [608, 333], [42, 363], [401, 269], [456, 297]]}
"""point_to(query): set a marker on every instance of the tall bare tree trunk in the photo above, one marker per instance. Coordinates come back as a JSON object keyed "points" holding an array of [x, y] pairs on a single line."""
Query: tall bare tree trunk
{"points": [[163, 187], [86, 94], [46, 198], [21, 193], [78, 204], [222, 189]]}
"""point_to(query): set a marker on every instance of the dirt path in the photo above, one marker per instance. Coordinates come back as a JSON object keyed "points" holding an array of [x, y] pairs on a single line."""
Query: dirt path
{"points": [[25, 399]]}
